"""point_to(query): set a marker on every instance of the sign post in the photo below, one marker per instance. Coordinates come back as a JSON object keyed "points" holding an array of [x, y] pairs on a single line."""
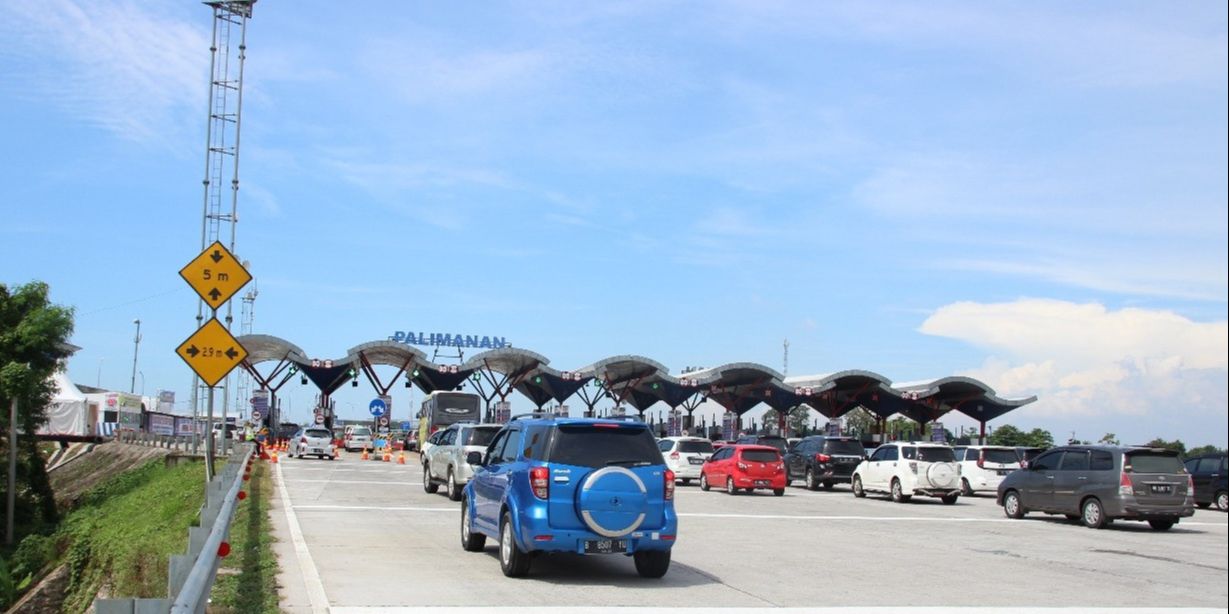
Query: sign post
{"points": [[211, 352]]}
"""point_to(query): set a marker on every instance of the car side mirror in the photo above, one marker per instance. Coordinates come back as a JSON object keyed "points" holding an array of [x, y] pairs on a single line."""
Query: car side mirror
{"points": [[474, 458]]}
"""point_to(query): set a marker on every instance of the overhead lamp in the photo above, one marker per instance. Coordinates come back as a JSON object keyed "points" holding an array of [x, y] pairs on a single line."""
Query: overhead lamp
{"points": [[303, 380], [354, 383], [408, 383]]}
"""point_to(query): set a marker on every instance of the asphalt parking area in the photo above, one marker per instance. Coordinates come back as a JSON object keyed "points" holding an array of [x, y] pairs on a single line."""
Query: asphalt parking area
{"points": [[376, 540]]}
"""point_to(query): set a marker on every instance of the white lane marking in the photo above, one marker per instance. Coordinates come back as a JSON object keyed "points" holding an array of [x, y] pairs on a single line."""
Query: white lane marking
{"points": [[341, 482], [311, 577], [768, 610], [382, 508]]}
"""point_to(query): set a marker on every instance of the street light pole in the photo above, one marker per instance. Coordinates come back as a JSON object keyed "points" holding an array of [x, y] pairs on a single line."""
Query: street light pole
{"points": [[136, 345]]}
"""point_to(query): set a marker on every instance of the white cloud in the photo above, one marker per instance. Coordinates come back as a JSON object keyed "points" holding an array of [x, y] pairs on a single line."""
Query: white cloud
{"points": [[1085, 359], [122, 66]]}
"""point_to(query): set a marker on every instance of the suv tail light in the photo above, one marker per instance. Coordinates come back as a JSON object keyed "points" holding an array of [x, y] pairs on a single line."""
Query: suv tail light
{"points": [[981, 459], [669, 485], [1124, 484], [1190, 486], [822, 458], [539, 481], [674, 455], [302, 440]]}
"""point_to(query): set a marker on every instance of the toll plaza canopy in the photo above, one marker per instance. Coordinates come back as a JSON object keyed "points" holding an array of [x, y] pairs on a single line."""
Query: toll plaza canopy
{"points": [[632, 380]]}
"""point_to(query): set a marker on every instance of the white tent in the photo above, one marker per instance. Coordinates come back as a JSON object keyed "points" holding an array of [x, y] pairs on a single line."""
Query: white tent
{"points": [[69, 411]]}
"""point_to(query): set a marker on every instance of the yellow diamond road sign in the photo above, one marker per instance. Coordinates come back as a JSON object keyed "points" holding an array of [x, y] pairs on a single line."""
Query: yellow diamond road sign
{"points": [[215, 274], [212, 352]]}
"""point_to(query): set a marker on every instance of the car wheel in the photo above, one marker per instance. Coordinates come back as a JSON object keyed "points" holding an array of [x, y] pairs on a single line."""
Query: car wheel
{"points": [[512, 561], [1222, 501], [454, 491], [812, 484], [778, 492], [965, 488], [949, 499], [1161, 525], [1093, 514], [652, 563], [1013, 507], [898, 493], [856, 485], [729, 487], [470, 541], [427, 485], [828, 484], [704, 482]]}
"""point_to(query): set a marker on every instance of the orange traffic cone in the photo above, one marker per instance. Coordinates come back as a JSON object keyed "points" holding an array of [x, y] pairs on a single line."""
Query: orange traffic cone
{"points": [[388, 455], [336, 453], [365, 456], [273, 459], [401, 458]]}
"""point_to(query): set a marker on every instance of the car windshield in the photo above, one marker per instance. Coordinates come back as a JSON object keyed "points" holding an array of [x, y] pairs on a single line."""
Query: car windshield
{"points": [[696, 447], [318, 433], [775, 442], [593, 446], [935, 455], [1005, 456], [361, 431], [846, 447], [481, 435], [1153, 462], [760, 456]]}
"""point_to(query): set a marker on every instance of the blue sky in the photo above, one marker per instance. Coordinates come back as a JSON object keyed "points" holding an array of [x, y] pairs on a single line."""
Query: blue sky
{"points": [[1031, 194]]}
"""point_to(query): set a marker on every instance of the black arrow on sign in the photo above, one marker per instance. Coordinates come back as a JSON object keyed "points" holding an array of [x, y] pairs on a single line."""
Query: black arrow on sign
{"points": [[216, 256], [192, 351], [231, 353], [214, 294]]}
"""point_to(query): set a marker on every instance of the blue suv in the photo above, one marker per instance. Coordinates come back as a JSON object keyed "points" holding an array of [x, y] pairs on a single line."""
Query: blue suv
{"points": [[571, 485]]}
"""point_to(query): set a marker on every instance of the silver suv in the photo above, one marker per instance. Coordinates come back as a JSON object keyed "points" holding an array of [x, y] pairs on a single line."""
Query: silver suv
{"points": [[905, 469], [445, 462]]}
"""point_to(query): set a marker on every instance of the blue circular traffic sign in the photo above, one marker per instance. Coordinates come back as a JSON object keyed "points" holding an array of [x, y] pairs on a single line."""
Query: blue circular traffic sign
{"points": [[377, 407], [405, 426]]}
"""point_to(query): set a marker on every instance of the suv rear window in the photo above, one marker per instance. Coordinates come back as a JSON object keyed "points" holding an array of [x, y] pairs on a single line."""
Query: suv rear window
{"points": [[1153, 462], [846, 447], [360, 431], [595, 446], [760, 456], [935, 455], [776, 442], [1005, 456], [696, 447], [480, 436], [318, 433]]}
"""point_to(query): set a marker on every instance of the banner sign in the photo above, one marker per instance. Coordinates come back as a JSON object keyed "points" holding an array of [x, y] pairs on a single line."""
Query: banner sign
{"points": [[183, 426], [129, 408], [937, 433], [160, 424], [727, 425], [503, 412], [833, 429], [449, 340], [674, 427]]}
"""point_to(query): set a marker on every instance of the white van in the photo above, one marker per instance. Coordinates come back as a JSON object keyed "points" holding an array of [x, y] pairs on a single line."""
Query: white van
{"points": [[983, 467]]}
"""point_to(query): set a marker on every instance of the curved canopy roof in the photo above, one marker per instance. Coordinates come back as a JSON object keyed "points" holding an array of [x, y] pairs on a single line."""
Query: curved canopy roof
{"points": [[641, 381]]}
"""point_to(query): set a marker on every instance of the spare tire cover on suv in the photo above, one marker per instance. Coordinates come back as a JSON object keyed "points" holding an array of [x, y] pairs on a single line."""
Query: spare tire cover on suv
{"points": [[941, 475], [612, 501]]}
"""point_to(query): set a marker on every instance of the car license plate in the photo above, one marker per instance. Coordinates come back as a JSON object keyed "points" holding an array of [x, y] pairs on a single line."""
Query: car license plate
{"points": [[696, 461], [317, 451], [1162, 489], [1003, 472], [762, 482], [605, 546]]}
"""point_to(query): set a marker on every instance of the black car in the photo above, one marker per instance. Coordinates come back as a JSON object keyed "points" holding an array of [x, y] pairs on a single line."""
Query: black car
{"points": [[772, 441], [1209, 473], [825, 460]]}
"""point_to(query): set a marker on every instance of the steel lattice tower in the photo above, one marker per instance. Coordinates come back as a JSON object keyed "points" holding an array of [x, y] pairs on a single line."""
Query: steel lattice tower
{"points": [[227, 54]]}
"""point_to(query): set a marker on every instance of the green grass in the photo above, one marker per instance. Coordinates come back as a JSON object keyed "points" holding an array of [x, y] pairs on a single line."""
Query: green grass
{"points": [[124, 532], [247, 579]]}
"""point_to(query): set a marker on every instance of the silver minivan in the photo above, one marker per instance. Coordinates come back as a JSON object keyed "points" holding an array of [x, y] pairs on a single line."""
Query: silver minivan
{"points": [[1099, 484]]}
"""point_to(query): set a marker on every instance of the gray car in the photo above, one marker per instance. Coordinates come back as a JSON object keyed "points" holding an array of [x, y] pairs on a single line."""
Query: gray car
{"points": [[1100, 484]]}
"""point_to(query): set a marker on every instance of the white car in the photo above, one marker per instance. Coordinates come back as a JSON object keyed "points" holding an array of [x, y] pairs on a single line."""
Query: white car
{"points": [[983, 467], [357, 438], [685, 456], [314, 441], [444, 462], [426, 446], [904, 469]]}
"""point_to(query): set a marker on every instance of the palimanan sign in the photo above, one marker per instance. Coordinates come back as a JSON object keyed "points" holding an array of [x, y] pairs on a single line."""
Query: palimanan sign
{"points": [[447, 340]]}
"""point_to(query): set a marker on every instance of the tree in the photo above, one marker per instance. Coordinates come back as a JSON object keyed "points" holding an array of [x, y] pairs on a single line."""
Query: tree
{"points": [[1175, 445], [1039, 438], [1006, 435], [1109, 439], [860, 422], [796, 420], [33, 340], [1201, 450]]}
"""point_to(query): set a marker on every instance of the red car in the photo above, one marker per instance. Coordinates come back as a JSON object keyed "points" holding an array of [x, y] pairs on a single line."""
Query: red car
{"points": [[746, 467]]}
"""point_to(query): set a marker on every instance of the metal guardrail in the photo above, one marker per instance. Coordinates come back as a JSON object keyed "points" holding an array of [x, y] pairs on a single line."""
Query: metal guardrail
{"points": [[183, 444], [190, 576]]}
